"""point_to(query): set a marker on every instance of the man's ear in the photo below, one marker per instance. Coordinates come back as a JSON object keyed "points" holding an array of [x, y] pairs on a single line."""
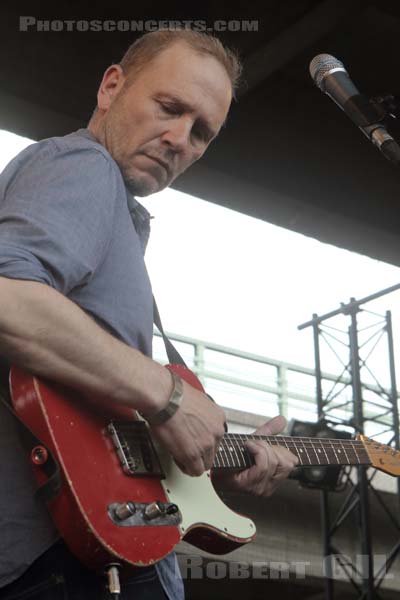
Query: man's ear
{"points": [[111, 84]]}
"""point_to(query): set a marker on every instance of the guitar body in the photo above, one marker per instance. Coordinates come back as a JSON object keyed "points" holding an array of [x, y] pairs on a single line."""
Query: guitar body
{"points": [[94, 482]]}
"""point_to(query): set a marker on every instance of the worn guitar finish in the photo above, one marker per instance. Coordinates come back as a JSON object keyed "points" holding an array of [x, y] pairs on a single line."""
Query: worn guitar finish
{"points": [[123, 499]]}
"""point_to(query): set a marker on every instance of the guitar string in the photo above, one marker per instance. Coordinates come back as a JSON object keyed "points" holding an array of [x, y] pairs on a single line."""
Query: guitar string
{"points": [[312, 448], [142, 430], [356, 459], [232, 449], [274, 440]]}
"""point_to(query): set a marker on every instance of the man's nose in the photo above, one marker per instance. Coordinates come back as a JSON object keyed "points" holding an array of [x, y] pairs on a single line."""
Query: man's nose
{"points": [[178, 134]]}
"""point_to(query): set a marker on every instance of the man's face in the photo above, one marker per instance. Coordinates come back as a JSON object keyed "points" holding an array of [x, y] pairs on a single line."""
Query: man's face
{"points": [[163, 121]]}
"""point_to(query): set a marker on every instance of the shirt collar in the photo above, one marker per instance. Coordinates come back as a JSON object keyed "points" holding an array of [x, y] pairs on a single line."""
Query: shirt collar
{"points": [[139, 214]]}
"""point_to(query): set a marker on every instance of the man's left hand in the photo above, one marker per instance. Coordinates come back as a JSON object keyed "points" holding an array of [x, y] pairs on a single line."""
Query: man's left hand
{"points": [[272, 463]]}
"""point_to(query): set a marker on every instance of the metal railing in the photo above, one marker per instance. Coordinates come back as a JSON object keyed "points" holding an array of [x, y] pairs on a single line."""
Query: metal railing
{"points": [[256, 384]]}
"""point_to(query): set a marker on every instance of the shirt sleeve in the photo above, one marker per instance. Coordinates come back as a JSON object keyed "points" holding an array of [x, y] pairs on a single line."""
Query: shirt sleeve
{"points": [[56, 217]]}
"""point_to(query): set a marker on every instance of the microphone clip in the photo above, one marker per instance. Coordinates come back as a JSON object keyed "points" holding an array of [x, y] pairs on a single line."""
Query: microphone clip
{"points": [[388, 104]]}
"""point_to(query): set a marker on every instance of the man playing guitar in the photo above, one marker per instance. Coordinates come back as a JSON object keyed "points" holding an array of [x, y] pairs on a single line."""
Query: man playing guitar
{"points": [[75, 300]]}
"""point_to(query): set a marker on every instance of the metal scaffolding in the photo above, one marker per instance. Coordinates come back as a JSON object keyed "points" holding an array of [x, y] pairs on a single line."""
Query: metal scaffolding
{"points": [[352, 404]]}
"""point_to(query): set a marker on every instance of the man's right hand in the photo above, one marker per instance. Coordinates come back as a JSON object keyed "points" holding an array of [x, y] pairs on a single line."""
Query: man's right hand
{"points": [[193, 433]]}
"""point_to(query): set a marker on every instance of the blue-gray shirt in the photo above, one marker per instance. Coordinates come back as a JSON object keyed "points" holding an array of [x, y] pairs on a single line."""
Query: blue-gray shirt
{"points": [[68, 221]]}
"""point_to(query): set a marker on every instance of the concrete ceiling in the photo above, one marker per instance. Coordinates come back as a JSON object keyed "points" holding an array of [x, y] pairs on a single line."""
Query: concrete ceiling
{"points": [[288, 154]]}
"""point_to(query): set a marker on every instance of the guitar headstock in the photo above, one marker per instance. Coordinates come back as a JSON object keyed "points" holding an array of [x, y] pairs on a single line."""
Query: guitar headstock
{"points": [[382, 457]]}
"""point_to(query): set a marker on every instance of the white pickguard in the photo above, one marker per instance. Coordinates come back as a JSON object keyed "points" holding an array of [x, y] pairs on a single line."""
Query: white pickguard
{"points": [[199, 503]]}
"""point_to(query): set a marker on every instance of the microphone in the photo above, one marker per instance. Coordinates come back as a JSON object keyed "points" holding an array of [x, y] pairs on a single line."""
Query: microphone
{"points": [[332, 78]]}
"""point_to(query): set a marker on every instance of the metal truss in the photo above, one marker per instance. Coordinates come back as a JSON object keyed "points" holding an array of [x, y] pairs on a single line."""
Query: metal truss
{"points": [[351, 401]]}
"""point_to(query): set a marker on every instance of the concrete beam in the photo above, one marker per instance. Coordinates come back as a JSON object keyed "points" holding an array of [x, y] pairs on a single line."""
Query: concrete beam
{"points": [[314, 25]]}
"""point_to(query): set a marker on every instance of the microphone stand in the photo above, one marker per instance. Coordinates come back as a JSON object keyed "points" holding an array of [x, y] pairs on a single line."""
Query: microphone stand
{"points": [[387, 106]]}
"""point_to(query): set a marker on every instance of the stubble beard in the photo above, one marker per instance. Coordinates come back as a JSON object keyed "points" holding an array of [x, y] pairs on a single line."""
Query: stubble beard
{"points": [[137, 186], [111, 132]]}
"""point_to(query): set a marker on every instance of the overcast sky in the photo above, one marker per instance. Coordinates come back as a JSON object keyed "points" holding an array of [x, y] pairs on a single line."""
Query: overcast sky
{"points": [[238, 281]]}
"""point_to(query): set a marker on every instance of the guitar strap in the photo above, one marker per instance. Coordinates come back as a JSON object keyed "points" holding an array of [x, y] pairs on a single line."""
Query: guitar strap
{"points": [[141, 222], [173, 355]]}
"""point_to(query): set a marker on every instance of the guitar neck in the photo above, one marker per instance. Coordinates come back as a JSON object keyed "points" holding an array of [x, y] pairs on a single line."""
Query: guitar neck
{"points": [[232, 453]]}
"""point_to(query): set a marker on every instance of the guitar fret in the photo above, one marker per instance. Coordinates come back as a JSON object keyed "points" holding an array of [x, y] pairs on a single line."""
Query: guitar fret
{"points": [[217, 461], [286, 444], [357, 457], [247, 456], [315, 452], [305, 448], [236, 454], [334, 452], [347, 456], [310, 451], [326, 455], [224, 455], [229, 453], [238, 459]]}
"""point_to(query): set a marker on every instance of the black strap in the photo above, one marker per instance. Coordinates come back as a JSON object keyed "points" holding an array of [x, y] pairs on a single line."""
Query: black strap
{"points": [[48, 490], [173, 355], [141, 222]]}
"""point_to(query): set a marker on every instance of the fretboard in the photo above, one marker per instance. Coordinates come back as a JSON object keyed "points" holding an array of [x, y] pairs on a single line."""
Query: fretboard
{"points": [[232, 453]]}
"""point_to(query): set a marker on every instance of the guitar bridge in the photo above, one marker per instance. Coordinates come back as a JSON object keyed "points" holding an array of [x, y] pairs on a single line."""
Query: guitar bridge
{"points": [[135, 448]]}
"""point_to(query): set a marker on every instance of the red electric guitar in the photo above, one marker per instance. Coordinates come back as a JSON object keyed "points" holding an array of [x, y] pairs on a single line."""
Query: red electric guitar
{"points": [[123, 499]]}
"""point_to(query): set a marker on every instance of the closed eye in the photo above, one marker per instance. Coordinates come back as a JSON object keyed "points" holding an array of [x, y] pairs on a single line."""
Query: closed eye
{"points": [[199, 132], [170, 109], [200, 129]]}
